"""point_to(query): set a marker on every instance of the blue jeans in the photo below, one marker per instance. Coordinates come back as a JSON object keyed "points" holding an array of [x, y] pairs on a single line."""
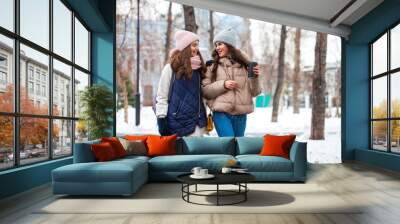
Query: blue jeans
{"points": [[228, 125]]}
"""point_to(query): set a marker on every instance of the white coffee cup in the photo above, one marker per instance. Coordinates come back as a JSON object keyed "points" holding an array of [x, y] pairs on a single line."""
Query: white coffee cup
{"points": [[203, 172], [226, 170], [196, 170]]}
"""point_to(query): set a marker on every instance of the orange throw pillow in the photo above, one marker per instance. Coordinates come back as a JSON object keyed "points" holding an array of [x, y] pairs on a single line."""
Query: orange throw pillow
{"points": [[103, 152], [161, 145], [137, 137], [116, 145], [277, 145]]}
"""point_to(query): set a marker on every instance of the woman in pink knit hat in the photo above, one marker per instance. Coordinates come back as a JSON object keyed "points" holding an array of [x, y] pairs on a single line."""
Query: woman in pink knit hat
{"points": [[179, 105]]}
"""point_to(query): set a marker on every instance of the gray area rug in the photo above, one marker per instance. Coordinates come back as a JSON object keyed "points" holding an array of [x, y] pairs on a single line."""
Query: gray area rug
{"points": [[166, 198]]}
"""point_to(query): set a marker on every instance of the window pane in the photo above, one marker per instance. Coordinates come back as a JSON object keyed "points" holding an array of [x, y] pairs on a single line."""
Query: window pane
{"points": [[395, 138], [6, 142], [34, 97], [6, 74], [395, 94], [81, 81], [62, 29], [33, 139], [81, 131], [62, 89], [81, 45], [379, 135], [62, 141], [7, 14], [35, 21], [379, 55], [379, 97], [395, 47]]}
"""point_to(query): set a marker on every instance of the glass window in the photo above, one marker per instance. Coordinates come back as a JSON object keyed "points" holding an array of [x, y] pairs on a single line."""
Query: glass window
{"points": [[38, 89], [7, 14], [30, 71], [34, 80], [395, 136], [81, 82], [44, 91], [379, 98], [81, 45], [379, 135], [62, 137], [33, 140], [6, 74], [40, 62], [6, 142], [35, 21], [395, 95], [62, 29], [31, 88], [81, 131], [62, 72], [395, 47], [379, 56]]}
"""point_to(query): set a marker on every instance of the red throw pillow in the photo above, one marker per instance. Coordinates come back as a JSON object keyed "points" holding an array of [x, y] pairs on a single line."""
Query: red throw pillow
{"points": [[103, 152], [116, 145], [277, 145], [161, 145]]}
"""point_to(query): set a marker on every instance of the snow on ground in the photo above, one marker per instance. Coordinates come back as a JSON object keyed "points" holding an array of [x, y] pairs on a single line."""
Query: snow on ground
{"points": [[258, 124]]}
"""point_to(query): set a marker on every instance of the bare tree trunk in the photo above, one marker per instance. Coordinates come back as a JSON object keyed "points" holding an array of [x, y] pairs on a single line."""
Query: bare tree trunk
{"points": [[190, 19], [168, 33], [281, 76], [211, 31], [318, 89], [338, 91], [296, 75], [246, 39]]}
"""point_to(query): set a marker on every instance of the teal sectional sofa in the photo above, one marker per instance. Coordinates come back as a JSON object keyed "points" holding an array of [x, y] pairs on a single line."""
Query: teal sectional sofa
{"points": [[125, 176]]}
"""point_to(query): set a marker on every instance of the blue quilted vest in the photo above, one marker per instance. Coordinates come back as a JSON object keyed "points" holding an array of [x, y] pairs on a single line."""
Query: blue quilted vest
{"points": [[186, 108]]}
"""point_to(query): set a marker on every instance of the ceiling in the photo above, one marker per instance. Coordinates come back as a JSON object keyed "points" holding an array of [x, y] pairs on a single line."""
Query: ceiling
{"points": [[327, 16]]}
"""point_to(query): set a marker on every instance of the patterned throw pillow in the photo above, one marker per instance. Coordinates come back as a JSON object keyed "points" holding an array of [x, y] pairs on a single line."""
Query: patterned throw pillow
{"points": [[134, 147]]}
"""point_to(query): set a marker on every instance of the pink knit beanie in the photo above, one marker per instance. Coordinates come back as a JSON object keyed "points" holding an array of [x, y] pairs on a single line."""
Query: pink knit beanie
{"points": [[184, 38]]}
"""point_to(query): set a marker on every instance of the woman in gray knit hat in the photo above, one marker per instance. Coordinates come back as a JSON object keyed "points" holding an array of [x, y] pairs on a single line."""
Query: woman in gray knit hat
{"points": [[227, 87]]}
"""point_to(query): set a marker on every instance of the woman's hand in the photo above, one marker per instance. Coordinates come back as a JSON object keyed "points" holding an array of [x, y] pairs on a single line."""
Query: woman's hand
{"points": [[230, 84], [256, 71]]}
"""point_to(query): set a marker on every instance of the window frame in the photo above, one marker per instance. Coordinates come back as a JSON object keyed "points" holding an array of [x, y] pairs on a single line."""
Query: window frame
{"points": [[388, 74], [16, 114]]}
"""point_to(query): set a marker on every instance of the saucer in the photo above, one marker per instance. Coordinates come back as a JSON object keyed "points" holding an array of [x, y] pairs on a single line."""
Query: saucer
{"points": [[208, 176]]}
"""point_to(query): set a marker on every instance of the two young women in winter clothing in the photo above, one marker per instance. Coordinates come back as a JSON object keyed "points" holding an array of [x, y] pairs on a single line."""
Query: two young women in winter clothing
{"points": [[224, 84]]}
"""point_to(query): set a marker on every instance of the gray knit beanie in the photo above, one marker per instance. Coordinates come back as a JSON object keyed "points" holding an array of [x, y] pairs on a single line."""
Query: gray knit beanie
{"points": [[227, 36]]}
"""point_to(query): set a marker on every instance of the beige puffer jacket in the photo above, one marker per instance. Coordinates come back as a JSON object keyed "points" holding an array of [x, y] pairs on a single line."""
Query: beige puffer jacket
{"points": [[235, 102]]}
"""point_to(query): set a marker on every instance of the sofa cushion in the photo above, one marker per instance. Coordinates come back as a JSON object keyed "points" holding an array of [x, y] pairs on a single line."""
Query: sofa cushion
{"points": [[275, 145], [134, 147], [116, 145], [83, 152], [185, 163], [249, 145], [257, 163], [161, 145], [112, 171], [208, 145], [103, 152]]}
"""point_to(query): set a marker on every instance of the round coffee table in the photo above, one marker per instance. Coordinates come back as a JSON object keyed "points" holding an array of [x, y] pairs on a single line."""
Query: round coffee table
{"points": [[238, 179]]}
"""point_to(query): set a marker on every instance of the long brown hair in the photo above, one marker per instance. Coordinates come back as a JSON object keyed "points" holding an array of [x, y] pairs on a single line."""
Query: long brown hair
{"points": [[234, 54], [181, 65]]}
